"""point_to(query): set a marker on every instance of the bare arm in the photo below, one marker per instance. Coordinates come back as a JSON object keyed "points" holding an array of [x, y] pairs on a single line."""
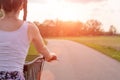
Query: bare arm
{"points": [[36, 38]]}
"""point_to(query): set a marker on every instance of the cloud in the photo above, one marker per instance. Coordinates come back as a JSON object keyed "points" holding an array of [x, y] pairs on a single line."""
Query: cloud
{"points": [[84, 1]]}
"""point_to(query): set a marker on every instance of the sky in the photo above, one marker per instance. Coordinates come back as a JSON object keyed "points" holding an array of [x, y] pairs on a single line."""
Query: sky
{"points": [[105, 11]]}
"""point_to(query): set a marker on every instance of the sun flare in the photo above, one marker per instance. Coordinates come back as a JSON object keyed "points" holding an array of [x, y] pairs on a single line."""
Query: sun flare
{"points": [[106, 11], [55, 10]]}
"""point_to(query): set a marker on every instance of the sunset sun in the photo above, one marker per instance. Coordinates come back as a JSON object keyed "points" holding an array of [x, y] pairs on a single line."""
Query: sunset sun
{"points": [[56, 10], [106, 11]]}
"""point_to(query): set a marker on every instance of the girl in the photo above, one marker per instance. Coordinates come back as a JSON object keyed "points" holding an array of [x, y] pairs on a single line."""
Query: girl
{"points": [[15, 38]]}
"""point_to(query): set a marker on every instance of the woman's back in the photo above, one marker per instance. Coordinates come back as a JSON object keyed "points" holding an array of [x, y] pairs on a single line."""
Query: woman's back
{"points": [[14, 45], [10, 24], [15, 38]]}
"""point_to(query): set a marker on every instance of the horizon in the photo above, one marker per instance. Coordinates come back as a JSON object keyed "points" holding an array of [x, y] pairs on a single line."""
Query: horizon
{"points": [[105, 11]]}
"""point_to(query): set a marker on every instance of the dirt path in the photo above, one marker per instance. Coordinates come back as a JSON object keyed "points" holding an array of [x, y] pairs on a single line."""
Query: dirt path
{"points": [[78, 62]]}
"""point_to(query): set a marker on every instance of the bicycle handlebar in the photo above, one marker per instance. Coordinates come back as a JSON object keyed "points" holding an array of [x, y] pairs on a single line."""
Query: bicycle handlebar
{"points": [[35, 60]]}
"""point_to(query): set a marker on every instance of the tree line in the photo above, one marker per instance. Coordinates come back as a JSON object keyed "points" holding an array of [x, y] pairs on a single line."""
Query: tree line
{"points": [[59, 28]]}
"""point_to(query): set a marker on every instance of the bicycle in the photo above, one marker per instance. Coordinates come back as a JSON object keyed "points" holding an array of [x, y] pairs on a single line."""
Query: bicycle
{"points": [[33, 69]]}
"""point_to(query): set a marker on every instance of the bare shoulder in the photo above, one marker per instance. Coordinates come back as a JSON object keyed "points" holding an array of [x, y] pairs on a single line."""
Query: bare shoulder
{"points": [[32, 27]]}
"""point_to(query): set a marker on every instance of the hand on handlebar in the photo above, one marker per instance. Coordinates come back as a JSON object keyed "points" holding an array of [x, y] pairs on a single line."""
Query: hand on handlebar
{"points": [[52, 58]]}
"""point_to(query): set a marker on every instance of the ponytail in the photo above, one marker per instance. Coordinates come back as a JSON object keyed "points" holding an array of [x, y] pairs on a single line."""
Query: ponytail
{"points": [[0, 4], [25, 10], [9, 5], [0, 9]]}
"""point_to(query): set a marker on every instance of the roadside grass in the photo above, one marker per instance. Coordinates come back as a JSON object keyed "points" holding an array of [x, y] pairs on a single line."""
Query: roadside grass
{"points": [[108, 45], [33, 53]]}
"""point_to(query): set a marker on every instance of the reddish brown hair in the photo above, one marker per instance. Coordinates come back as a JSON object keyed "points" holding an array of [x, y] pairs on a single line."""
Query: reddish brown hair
{"points": [[13, 5]]}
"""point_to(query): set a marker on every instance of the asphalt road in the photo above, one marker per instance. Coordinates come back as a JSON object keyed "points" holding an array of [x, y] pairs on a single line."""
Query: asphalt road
{"points": [[78, 62]]}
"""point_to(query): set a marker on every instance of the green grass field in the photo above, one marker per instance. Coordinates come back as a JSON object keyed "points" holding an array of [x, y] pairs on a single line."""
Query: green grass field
{"points": [[108, 45], [33, 53]]}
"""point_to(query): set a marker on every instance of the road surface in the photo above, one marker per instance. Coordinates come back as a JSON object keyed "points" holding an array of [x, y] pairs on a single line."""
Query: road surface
{"points": [[78, 62]]}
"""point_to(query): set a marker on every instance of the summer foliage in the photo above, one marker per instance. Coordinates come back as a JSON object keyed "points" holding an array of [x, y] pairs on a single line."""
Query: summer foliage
{"points": [[58, 28]]}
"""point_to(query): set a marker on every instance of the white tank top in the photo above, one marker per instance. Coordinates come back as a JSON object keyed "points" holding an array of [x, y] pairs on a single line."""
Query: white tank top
{"points": [[13, 49]]}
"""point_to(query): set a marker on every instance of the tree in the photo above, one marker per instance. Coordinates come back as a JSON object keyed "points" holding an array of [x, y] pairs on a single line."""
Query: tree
{"points": [[112, 30], [94, 27]]}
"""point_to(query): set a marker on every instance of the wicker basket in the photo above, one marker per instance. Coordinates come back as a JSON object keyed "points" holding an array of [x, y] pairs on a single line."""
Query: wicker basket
{"points": [[33, 69]]}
